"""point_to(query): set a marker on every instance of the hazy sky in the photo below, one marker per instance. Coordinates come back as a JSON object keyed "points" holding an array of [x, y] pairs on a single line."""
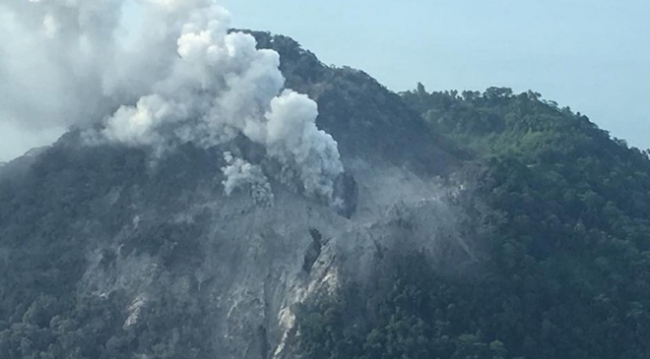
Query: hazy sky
{"points": [[591, 55]]}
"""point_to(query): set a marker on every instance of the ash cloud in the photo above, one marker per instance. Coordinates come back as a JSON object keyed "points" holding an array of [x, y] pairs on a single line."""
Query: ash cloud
{"points": [[241, 174], [180, 78]]}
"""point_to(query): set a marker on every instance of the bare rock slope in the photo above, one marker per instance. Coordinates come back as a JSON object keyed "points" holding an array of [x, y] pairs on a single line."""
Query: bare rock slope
{"points": [[151, 259]]}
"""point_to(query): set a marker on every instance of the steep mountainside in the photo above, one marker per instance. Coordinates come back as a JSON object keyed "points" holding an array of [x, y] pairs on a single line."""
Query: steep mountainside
{"points": [[112, 251], [362, 115], [567, 226], [486, 225]]}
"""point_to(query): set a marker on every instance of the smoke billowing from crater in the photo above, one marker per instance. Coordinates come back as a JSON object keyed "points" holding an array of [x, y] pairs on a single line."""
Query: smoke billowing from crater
{"points": [[240, 173], [180, 78]]}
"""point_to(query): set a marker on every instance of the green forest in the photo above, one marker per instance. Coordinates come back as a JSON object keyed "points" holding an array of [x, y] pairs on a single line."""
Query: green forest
{"points": [[568, 273]]}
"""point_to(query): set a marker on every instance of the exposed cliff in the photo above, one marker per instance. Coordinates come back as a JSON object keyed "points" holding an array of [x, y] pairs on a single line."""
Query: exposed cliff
{"points": [[111, 252]]}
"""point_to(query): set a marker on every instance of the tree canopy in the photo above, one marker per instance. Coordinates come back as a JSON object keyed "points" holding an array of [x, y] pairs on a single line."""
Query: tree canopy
{"points": [[568, 270]]}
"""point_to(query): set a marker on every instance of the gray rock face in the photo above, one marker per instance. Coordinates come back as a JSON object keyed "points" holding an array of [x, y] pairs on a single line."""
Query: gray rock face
{"points": [[177, 268], [258, 263], [181, 268]]}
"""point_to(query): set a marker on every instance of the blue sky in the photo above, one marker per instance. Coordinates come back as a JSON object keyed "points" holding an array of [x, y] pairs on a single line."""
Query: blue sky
{"points": [[593, 56]]}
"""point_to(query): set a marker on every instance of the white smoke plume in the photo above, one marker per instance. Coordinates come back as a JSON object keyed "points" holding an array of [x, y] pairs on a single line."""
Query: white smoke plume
{"points": [[181, 78], [65, 62], [241, 174]]}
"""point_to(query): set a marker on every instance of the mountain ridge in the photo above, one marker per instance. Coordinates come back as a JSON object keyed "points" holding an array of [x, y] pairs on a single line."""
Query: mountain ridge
{"points": [[485, 225], [108, 231]]}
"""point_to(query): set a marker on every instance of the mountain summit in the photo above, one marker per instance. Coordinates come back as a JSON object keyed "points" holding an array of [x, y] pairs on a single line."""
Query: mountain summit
{"points": [[113, 249], [309, 212]]}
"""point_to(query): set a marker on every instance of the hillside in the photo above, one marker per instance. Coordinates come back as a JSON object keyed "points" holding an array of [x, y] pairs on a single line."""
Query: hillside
{"points": [[361, 114], [569, 245], [481, 225], [114, 251]]}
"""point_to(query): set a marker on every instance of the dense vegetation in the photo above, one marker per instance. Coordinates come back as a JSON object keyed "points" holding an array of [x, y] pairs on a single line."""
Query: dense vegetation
{"points": [[566, 233], [52, 211], [568, 274]]}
